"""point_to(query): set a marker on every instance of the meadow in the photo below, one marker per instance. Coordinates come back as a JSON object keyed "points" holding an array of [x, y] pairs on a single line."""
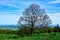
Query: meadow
{"points": [[40, 36]]}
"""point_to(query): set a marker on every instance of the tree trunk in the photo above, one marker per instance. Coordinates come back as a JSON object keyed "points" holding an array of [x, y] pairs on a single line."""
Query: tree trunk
{"points": [[32, 29]]}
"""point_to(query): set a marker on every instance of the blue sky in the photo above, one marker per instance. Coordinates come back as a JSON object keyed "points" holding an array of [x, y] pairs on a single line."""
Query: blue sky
{"points": [[11, 10]]}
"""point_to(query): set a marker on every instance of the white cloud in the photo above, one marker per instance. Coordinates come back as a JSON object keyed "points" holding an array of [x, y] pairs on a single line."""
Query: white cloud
{"points": [[55, 18], [18, 4], [9, 19], [8, 3], [54, 2], [13, 18], [11, 12]]}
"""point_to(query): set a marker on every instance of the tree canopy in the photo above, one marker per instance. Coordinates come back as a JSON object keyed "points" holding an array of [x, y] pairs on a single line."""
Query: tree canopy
{"points": [[34, 15]]}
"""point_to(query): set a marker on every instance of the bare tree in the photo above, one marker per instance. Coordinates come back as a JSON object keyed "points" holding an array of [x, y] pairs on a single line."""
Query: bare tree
{"points": [[34, 15]]}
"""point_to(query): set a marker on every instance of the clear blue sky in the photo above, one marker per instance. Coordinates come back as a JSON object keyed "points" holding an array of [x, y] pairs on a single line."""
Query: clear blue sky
{"points": [[10, 10]]}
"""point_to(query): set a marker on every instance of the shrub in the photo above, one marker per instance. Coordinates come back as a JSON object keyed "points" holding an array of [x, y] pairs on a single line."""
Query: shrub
{"points": [[50, 30], [24, 31]]}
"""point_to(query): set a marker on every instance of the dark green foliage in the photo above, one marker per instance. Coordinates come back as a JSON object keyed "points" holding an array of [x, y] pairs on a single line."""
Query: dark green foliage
{"points": [[27, 30], [7, 32], [58, 29], [37, 31], [24, 31], [44, 29], [55, 29], [49, 30]]}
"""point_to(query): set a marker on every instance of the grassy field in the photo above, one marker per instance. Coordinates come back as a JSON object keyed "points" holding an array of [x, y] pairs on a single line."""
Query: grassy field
{"points": [[40, 36]]}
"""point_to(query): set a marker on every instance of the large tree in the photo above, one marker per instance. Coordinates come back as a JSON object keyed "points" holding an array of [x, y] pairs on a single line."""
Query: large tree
{"points": [[34, 15]]}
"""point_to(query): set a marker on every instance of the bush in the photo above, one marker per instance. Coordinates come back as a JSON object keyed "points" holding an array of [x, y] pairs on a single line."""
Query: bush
{"points": [[37, 31], [50, 30], [56, 29], [44, 29], [24, 31], [7, 31]]}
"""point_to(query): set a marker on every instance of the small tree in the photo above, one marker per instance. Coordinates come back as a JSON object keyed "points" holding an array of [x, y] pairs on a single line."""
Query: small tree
{"points": [[25, 31], [56, 29], [32, 16]]}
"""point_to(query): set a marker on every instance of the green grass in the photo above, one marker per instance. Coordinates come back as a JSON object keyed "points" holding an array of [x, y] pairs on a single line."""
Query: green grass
{"points": [[40, 36]]}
